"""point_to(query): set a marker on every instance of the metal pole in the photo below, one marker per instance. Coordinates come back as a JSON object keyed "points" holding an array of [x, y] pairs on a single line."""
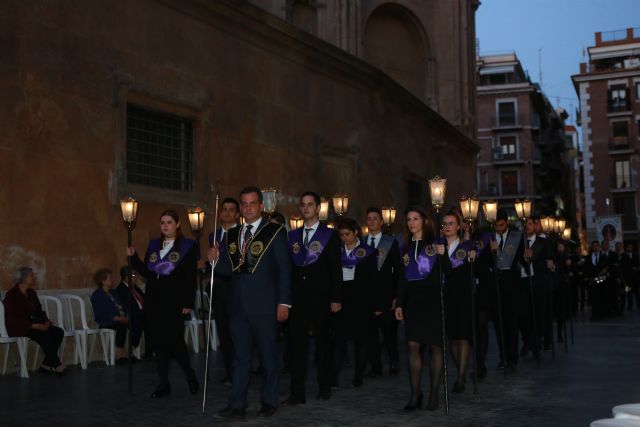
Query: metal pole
{"points": [[200, 316], [213, 268], [129, 244], [472, 289], [536, 350], [442, 313]]}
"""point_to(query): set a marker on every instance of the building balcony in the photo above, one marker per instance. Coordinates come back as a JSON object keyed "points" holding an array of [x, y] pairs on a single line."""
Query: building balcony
{"points": [[619, 106], [620, 145], [507, 122], [623, 184]]}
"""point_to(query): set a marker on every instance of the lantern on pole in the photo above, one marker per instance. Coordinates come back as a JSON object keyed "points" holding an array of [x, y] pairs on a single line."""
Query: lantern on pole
{"points": [[129, 209], [340, 204], [469, 208], [296, 221], [270, 200], [437, 188], [324, 210], [388, 215], [566, 233], [523, 209], [546, 222]]}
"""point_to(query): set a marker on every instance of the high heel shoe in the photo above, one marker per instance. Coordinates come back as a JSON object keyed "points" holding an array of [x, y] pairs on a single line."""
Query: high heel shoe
{"points": [[418, 404], [161, 391], [193, 382], [433, 402]]}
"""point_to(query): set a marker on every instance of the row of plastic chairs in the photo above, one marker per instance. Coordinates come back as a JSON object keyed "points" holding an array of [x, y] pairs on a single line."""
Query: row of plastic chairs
{"points": [[61, 310], [192, 324], [627, 415]]}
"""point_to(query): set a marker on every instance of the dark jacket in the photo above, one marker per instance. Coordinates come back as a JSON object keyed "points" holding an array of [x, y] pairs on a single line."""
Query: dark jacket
{"points": [[389, 268], [21, 311], [105, 307]]}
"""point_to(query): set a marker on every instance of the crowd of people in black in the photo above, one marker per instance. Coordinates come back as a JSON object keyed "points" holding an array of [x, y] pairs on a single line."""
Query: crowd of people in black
{"points": [[444, 282]]}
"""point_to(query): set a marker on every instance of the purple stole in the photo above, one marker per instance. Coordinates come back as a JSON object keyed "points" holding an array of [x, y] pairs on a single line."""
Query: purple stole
{"points": [[358, 254], [482, 243], [164, 266], [418, 268], [305, 255], [459, 256]]}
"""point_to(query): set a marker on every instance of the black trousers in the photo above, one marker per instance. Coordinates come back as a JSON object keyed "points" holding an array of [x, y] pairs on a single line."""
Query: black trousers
{"points": [[541, 299], [510, 302], [220, 313], [387, 325], [169, 344], [49, 341], [121, 333], [301, 321]]}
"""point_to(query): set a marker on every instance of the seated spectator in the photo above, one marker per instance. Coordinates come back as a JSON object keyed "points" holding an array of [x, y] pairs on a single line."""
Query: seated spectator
{"points": [[108, 311], [24, 317], [136, 316]]}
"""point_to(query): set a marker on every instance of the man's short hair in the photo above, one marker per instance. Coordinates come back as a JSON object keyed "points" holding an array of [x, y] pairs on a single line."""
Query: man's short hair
{"points": [[231, 200], [316, 196], [251, 189], [502, 215], [372, 209]]}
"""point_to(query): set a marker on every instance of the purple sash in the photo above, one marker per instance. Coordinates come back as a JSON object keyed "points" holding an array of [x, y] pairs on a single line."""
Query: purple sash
{"points": [[420, 268], [483, 242], [358, 253], [164, 266], [459, 256], [305, 255]]}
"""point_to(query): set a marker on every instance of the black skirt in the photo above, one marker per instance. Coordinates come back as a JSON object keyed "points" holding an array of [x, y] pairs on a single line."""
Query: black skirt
{"points": [[422, 311]]}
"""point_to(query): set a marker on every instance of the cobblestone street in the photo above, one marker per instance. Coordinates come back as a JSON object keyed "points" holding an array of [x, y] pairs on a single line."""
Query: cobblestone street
{"points": [[600, 371]]}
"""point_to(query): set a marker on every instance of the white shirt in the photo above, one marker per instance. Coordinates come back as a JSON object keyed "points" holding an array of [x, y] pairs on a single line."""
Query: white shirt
{"points": [[530, 240], [349, 273], [223, 231], [376, 242], [593, 258], [166, 247], [453, 246], [312, 231], [255, 225], [504, 238]]}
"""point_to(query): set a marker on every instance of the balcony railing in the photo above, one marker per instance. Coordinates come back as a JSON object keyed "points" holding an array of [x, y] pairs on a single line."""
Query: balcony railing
{"points": [[507, 121], [618, 143], [623, 183]]}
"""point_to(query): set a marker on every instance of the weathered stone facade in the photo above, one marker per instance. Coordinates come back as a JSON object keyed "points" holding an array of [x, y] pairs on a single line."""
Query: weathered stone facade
{"points": [[271, 105]]}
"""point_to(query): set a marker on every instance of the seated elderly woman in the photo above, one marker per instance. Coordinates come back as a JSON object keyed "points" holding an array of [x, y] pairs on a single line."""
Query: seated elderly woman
{"points": [[24, 317], [108, 311]]}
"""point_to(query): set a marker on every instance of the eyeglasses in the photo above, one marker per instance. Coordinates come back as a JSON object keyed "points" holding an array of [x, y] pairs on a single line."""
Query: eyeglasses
{"points": [[449, 224]]}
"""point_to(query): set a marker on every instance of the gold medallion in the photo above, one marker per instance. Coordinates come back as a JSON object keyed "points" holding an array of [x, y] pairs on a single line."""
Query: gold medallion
{"points": [[360, 252], [430, 250], [257, 248], [174, 256], [153, 257], [406, 259], [233, 248], [315, 246], [461, 254], [295, 248]]}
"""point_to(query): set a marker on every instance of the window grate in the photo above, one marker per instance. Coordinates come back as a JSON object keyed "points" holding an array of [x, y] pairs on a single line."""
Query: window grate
{"points": [[159, 149]]}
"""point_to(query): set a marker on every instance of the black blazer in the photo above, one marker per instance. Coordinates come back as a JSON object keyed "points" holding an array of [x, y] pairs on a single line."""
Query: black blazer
{"points": [[390, 270], [589, 271], [317, 285], [122, 293], [541, 253], [368, 288]]}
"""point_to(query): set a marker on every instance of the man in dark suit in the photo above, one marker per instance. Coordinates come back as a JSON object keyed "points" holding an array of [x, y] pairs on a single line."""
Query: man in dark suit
{"points": [[256, 258], [535, 278], [630, 271], [229, 214], [315, 250], [507, 245], [136, 314], [596, 265], [388, 267]]}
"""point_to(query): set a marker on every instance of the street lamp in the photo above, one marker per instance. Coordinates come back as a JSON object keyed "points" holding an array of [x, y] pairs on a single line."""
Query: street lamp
{"points": [[364, 229], [296, 221], [324, 209], [270, 200], [196, 221], [566, 233], [547, 224], [129, 209], [388, 215], [469, 208], [437, 188], [340, 204], [490, 209], [558, 226], [523, 209]]}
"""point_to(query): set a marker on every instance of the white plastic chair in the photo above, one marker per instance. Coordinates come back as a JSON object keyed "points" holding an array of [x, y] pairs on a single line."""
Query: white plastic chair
{"points": [[83, 332], [52, 306], [630, 411], [191, 325], [615, 422], [21, 343]]}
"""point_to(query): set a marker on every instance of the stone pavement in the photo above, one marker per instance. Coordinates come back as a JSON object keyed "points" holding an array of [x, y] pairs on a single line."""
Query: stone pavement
{"points": [[601, 370]]}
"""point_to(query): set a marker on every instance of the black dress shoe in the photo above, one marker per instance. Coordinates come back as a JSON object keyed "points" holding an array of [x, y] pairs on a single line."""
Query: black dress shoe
{"points": [[357, 382], [511, 368], [324, 393], [410, 407], [232, 413], [226, 381], [267, 411], [293, 401], [393, 369], [374, 373], [482, 372], [193, 382], [433, 402], [458, 387], [161, 391]]}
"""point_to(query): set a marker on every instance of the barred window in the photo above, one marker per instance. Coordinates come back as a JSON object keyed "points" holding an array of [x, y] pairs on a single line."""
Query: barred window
{"points": [[159, 149]]}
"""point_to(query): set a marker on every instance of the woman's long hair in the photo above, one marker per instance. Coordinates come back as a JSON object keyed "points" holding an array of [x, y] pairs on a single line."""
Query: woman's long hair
{"points": [[427, 225], [179, 236]]}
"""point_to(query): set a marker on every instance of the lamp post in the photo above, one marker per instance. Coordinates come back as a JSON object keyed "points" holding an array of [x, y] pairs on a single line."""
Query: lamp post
{"points": [[196, 221], [556, 228], [388, 215], [324, 210], [270, 200], [490, 210], [129, 209], [523, 210], [469, 208], [340, 204], [566, 235], [296, 221], [437, 187]]}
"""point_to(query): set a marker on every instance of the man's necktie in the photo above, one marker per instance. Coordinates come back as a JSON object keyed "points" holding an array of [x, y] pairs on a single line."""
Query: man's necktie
{"points": [[247, 239], [372, 243], [501, 243], [306, 236], [137, 297]]}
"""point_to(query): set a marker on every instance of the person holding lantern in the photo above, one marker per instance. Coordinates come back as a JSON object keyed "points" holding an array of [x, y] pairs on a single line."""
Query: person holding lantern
{"points": [[169, 269], [418, 304]]}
